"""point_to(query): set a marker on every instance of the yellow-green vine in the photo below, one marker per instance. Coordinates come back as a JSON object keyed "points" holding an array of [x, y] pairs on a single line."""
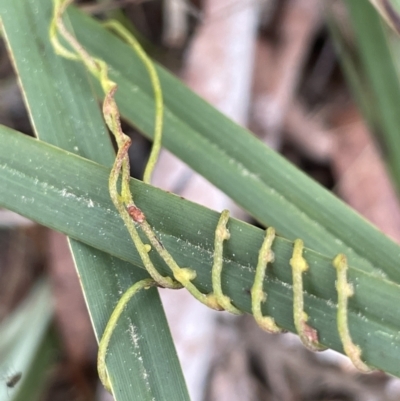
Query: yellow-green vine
{"points": [[134, 219]]}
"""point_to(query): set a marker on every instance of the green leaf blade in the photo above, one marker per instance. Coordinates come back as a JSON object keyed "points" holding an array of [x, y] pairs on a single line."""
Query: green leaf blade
{"points": [[64, 111], [187, 231]]}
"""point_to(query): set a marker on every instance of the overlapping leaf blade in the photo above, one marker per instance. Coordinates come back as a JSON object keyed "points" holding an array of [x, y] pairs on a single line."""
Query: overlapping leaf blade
{"points": [[64, 112], [187, 231]]}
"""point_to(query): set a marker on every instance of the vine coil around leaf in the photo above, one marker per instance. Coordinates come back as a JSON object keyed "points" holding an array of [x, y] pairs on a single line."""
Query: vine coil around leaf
{"points": [[134, 218]]}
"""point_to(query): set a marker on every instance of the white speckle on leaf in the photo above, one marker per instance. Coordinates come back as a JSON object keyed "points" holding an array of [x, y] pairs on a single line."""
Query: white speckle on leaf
{"points": [[137, 352]]}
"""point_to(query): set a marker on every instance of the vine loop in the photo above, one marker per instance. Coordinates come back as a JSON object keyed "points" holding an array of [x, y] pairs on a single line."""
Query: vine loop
{"points": [[135, 219], [307, 334]]}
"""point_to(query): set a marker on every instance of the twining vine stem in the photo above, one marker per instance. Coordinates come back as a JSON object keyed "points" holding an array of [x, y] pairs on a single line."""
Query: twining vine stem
{"points": [[134, 218]]}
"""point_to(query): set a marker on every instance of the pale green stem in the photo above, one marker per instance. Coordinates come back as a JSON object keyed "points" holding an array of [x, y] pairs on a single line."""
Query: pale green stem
{"points": [[221, 234], [57, 24], [307, 334], [113, 121], [158, 100], [127, 218], [110, 327], [258, 296], [345, 291], [183, 275]]}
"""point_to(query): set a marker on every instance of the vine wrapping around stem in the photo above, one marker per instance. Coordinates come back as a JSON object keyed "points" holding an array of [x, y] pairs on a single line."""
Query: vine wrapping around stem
{"points": [[307, 334], [134, 218]]}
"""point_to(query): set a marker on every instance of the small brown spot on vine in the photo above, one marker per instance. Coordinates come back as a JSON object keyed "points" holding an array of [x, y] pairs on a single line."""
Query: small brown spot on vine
{"points": [[136, 214]]}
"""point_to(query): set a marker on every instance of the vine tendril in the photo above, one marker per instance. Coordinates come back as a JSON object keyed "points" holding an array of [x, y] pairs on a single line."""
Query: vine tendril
{"points": [[112, 322], [258, 296], [345, 291], [307, 334]]}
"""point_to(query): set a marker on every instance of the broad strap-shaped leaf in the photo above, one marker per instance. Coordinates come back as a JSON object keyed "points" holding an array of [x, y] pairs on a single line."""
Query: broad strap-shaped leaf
{"points": [[64, 111], [378, 52], [187, 231], [19, 346]]}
